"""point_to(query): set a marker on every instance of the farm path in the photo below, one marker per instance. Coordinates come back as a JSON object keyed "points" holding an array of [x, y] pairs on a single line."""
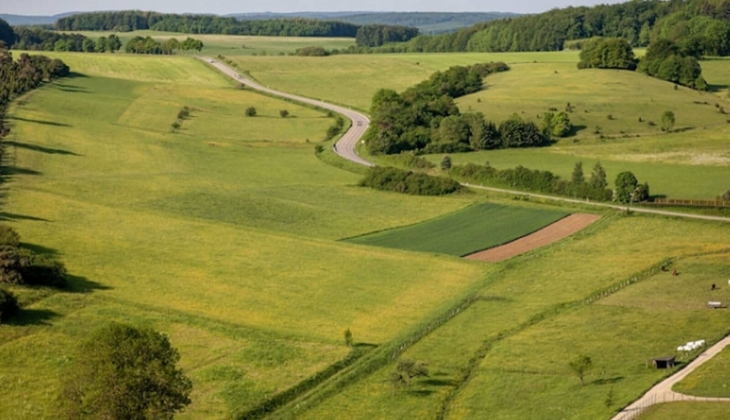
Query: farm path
{"points": [[662, 392], [345, 147], [545, 236], [604, 205]]}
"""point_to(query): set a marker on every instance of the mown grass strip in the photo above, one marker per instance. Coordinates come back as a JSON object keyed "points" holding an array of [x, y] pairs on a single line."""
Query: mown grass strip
{"points": [[466, 231]]}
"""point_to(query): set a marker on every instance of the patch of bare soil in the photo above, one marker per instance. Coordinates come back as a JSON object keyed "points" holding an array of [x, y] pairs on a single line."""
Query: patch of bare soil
{"points": [[552, 233]]}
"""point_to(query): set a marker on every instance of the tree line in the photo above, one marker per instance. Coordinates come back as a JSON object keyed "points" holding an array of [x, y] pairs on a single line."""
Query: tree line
{"points": [[126, 21], [20, 265], [700, 26], [627, 188], [425, 118], [37, 39], [147, 45]]}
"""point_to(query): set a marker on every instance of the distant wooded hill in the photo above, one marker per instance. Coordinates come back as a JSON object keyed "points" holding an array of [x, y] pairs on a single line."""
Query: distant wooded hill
{"points": [[700, 27], [21, 20], [426, 22]]}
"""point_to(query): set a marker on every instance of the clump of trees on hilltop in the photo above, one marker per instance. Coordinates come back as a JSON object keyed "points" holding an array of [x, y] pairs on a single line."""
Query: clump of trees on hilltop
{"points": [[425, 118], [607, 53]]}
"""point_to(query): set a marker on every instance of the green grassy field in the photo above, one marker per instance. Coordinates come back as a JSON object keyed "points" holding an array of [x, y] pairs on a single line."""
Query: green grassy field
{"points": [[536, 83], [533, 318], [687, 410], [209, 235], [236, 44], [352, 80], [466, 231], [225, 237]]}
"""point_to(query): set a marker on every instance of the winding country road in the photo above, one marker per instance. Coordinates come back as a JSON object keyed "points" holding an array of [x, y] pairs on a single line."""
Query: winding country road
{"points": [[345, 147]]}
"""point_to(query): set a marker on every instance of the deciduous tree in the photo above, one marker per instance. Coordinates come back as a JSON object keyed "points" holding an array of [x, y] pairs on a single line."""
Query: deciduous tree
{"points": [[122, 372]]}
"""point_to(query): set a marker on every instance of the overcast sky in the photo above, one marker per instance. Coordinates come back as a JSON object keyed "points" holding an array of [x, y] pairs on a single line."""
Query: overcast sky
{"points": [[52, 7]]}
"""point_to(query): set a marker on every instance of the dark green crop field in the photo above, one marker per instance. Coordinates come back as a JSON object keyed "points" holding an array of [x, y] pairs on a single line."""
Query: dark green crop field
{"points": [[466, 231]]}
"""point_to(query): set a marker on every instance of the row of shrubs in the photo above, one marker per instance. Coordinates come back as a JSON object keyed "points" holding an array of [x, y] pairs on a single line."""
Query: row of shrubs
{"points": [[408, 182]]}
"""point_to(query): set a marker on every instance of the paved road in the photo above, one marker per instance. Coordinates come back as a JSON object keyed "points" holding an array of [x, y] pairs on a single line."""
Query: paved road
{"points": [[345, 147], [662, 392]]}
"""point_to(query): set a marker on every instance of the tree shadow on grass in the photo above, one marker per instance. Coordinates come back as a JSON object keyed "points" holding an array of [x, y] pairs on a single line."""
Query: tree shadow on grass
{"points": [[576, 129], [607, 381], [439, 382], [4, 216], [78, 284], [28, 317], [39, 249], [14, 170], [420, 392], [75, 75], [41, 149], [43, 122], [716, 88]]}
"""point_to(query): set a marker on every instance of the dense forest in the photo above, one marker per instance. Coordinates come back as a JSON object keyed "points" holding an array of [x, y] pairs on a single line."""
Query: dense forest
{"points": [[700, 26], [425, 118], [203, 24], [377, 35]]}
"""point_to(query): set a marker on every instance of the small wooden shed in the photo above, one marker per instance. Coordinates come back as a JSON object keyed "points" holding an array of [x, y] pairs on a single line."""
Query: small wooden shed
{"points": [[666, 362]]}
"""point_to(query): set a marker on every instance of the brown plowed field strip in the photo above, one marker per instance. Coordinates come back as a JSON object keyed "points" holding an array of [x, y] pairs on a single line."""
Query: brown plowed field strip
{"points": [[553, 233]]}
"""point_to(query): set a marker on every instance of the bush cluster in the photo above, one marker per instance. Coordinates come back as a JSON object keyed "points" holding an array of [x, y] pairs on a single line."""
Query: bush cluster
{"points": [[407, 182], [335, 128], [19, 265], [665, 60]]}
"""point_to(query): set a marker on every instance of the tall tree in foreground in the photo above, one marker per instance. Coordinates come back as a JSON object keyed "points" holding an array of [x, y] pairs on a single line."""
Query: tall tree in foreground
{"points": [[121, 373], [626, 184]]}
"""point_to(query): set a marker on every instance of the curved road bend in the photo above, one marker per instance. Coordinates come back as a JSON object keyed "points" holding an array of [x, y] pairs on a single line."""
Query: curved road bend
{"points": [[345, 147]]}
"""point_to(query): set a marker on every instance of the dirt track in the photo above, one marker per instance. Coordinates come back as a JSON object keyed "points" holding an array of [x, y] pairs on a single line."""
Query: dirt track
{"points": [[553, 233]]}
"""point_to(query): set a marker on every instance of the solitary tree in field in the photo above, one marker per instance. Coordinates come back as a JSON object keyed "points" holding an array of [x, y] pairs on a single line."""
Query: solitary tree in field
{"points": [[407, 370], [580, 366], [284, 113], [626, 185], [446, 163], [122, 372], [668, 120], [250, 111], [348, 338]]}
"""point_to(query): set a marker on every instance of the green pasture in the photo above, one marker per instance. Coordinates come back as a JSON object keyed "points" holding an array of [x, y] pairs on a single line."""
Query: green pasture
{"points": [[674, 180], [235, 44], [686, 410], [466, 231], [220, 235], [710, 379], [524, 373], [612, 103], [352, 80]]}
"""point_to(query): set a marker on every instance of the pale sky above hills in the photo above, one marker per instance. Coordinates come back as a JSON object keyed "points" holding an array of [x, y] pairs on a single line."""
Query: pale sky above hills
{"points": [[52, 7]]}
